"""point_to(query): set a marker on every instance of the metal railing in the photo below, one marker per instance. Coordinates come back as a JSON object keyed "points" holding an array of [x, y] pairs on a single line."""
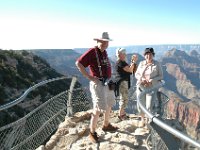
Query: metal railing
{"points": [[36, 127], [160, 123]]}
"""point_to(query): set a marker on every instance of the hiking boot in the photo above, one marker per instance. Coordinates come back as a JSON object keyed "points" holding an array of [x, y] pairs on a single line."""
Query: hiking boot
{"points": [[109, 128], [94, 137]]}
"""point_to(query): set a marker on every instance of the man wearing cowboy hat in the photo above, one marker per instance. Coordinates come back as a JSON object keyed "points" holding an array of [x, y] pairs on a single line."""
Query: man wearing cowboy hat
{"points": [[100, 70]]}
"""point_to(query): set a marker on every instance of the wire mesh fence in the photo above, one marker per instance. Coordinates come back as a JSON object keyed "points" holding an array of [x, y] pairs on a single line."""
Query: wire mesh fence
{"points": [[32, 130]]}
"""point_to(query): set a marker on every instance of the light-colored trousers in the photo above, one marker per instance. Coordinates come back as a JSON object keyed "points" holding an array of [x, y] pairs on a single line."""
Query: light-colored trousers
{"points": [[123, 94], [148, 100]]}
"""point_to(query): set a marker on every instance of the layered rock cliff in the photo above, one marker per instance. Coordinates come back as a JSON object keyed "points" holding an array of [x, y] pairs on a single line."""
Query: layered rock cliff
{"points": [[187, 114], [182, 73]]}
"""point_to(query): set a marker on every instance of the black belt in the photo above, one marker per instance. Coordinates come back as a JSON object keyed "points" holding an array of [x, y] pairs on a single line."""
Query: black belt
{"points": [[100, 79], [140, 89]]}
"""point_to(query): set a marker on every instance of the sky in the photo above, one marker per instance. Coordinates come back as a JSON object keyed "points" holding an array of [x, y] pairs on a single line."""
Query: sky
{"points": [[63, 24]]}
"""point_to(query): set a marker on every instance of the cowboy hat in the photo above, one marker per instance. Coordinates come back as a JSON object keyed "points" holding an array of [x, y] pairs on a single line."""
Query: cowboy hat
{"points": [[104, 37]]}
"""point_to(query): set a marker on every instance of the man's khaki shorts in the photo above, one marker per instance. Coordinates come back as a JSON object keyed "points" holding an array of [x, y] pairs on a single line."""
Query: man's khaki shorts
{"points": [[102, 97]]}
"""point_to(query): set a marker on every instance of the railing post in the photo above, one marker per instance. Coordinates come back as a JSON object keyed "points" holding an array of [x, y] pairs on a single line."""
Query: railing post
{"points": [[70, 92]]}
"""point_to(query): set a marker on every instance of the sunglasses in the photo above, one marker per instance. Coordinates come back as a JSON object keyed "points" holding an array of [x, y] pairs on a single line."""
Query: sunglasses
{"points": [[122, 52], [150, 49]]}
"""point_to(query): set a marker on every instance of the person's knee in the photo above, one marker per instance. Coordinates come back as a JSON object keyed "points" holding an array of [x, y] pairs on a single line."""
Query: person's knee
{"points": [[126, 101], [96, 113]]}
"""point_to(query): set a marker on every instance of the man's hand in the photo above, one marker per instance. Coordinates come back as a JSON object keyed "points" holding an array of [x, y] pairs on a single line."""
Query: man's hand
{"points": [[94, 79]]}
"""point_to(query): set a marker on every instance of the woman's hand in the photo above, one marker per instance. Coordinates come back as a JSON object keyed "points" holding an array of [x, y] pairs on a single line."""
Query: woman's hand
{"points": [[146, 83], [134, 58]]}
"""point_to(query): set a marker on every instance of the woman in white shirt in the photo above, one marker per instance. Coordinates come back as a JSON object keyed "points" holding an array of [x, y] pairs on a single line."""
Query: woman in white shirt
{"points": [[148, 74]]}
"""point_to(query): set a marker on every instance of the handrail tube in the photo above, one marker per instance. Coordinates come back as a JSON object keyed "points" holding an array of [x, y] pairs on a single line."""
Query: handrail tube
{"points": [[23, 96], [162, 124], [176, 132]]}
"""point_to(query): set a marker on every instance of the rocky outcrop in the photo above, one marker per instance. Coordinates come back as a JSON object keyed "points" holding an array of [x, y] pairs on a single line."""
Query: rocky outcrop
{"points": [[72, 134]]}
